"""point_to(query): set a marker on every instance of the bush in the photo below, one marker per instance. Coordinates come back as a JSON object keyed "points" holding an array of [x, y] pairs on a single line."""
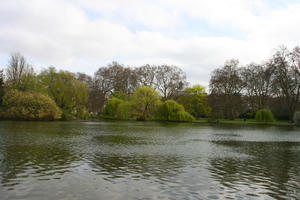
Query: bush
{"points": [[170, 110], [264, 115], [29, 106], [297, 118]]}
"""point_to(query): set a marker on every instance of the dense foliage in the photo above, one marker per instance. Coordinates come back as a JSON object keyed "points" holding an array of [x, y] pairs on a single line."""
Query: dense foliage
{"points": [[264, 115], [144, 102], [170, 110], [111, 108], [70, 94], [28, 106], [123, 92], [195, 101]]}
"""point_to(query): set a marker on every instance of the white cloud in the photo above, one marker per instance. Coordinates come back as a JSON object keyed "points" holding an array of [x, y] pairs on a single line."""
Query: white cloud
{"points": [[84, 35]]}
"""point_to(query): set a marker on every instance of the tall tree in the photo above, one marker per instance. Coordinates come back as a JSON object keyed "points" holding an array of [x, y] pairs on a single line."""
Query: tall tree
{"points": [[70, 94], [286, 81], [257, 79], [226, 86], [145, 75], [170, 81], [19, 73]]}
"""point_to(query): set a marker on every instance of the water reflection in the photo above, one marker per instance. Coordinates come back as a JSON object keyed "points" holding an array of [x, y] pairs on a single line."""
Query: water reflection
{"points": [[271, 169], [129, 160], [20, 161], [138, 167], [32, 150]]}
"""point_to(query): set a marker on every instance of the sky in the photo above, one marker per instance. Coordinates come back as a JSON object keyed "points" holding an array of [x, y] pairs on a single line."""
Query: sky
{"points": [[195, 35]]}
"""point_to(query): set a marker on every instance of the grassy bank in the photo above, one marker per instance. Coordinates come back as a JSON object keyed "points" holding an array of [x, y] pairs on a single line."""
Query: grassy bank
{"points": [[242, 121], [220, 121]]}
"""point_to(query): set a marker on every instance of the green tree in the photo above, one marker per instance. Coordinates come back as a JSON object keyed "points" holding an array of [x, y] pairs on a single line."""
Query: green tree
{"points": [[144, 102], [264, 115], [110, 110], [195, 101], [120, 95], [170, 110], [70, 94], [19, 105]]}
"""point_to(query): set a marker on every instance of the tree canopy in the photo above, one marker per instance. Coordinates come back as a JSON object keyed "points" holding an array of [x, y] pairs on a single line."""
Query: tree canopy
{"points": [[29, 106], [144, 102], [122, 92]]}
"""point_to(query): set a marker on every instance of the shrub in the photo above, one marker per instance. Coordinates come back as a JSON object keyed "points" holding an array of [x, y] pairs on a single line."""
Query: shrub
{"points": [[297, 118], [29, 106], [170, 110], [264, 115]]}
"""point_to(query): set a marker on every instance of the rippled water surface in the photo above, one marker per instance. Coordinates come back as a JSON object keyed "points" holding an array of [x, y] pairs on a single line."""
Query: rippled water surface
{"points": [[136, 160]]}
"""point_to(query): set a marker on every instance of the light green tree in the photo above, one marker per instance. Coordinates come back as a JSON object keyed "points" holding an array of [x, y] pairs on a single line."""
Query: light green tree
{"points": [[19, 105], [264, 115], [111, 108], [195, 101], [144, 102], [70, 94], [170, 110]]}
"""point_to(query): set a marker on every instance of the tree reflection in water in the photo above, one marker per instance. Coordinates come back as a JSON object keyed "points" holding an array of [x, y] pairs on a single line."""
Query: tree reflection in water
{"points": [[271, 168]]}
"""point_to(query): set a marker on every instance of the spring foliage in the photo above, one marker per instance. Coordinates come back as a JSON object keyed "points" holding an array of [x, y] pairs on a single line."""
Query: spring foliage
{"points": [[195, 101], [264, 115], [144, 102], [170, 110], [110, 110], [70, 95], [19, 105]]}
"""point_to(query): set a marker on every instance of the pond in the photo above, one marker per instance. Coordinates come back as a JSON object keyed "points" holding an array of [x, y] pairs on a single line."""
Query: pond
{"points": [[147, 160]]}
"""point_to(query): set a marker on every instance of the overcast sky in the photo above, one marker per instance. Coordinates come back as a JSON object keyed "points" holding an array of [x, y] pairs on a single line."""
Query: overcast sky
{"points": [[195, 35]]}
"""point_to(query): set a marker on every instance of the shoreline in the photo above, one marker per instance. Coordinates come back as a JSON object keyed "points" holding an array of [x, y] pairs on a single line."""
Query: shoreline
{"points": [[199, 121]]}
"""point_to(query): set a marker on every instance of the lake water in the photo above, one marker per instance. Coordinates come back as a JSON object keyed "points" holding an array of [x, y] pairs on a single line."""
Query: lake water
{"points": [[147, 160]]}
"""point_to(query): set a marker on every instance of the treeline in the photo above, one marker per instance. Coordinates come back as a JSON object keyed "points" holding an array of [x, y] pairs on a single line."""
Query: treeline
{"points": [[152, 92], [239, 91], [115, 92]]}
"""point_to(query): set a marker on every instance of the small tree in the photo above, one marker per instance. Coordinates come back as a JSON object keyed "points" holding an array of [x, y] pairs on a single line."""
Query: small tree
{"points": [[264, 115], [144, 102]]}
